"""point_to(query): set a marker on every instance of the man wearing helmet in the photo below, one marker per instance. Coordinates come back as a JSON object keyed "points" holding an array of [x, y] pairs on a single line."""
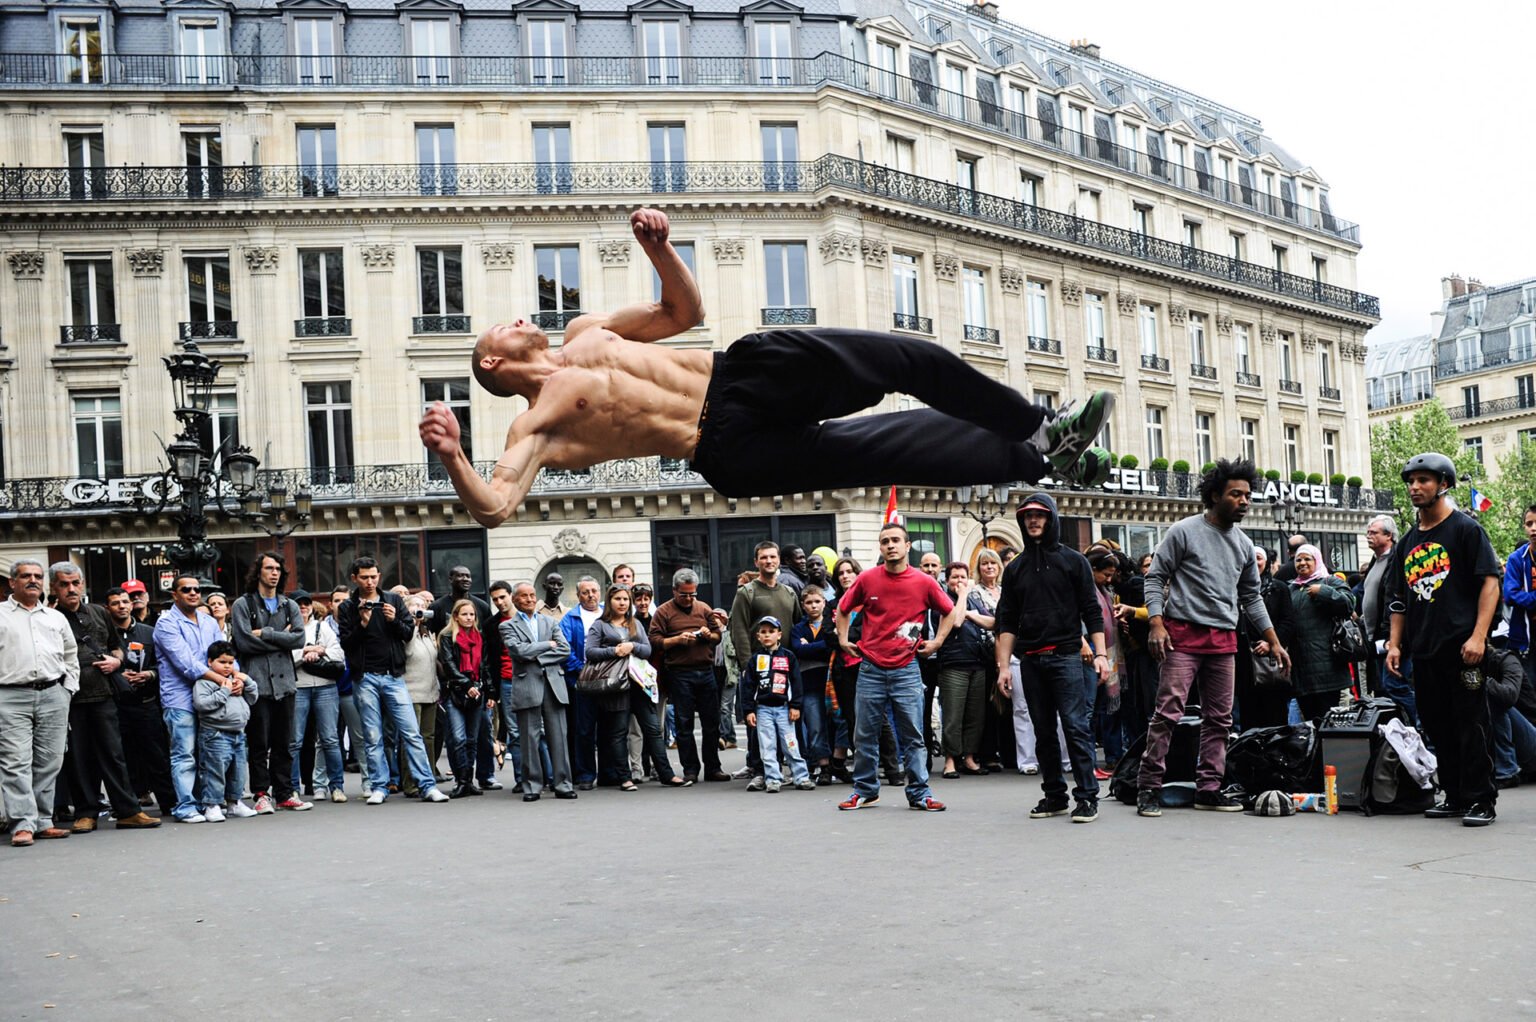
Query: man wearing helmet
{"points": [[1444, 589]]}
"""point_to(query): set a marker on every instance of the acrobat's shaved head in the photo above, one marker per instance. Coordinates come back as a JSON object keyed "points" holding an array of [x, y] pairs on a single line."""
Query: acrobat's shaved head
{"points": [[501, 353], [487, 349]]}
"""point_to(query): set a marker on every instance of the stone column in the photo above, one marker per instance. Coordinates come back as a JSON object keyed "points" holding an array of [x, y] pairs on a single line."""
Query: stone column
{"points": [[266, 324], [837, 291], [384, 317], [31, 337], [736, 318], [503, 300], [150, 337], [616, 276]]}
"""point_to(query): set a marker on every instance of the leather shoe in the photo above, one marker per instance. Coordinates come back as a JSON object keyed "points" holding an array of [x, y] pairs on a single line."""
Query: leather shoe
{"points": [[565, 794], [51, 834], [717, 775], [84, 825], [1445, 811], [138, 821], [691, 777], [531, 796], [586, 785], [21, 839]]}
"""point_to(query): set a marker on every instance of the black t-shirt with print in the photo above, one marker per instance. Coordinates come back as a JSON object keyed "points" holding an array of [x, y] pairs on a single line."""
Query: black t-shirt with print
{"points": [[1437, 575]]}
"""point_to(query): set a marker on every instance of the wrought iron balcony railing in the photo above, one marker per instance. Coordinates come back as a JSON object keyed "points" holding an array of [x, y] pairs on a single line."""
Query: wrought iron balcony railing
{"points": [[449, 324], [210, 329], [1249, 380], [921, 324], [536, 74], [1099, 353], [985, 334], [1478, 361], [1496, 406], [1157, 363], [554, 319], [1328, 393], [1290, 387], [322, 326], [1201, 371], [1048, 345], [91, 333], [789, 315], [829, 173]]}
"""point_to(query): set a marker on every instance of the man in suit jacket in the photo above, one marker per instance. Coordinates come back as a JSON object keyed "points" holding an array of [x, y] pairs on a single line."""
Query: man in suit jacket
{"points": [[537, 691]]}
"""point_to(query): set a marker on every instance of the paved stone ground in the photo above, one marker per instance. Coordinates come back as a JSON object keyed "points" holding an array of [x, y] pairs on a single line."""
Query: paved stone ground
{"points": [[716, 903]]}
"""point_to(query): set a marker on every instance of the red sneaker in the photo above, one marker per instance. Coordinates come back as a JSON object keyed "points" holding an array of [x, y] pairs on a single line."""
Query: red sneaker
{"points": [[927, 805], [1102, 774], [857, 801], [295, 803]]}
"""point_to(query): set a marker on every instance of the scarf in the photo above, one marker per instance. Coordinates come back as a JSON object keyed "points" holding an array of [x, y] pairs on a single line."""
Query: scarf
{"points": [[469, 642], [1319, 569]]}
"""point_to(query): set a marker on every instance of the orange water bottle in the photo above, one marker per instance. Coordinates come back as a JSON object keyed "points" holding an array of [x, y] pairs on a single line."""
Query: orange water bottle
{"points": [[1331, 787]]}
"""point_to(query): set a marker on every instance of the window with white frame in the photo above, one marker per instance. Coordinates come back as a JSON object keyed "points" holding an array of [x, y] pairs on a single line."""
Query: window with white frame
{"points": [[1528, 300], [1205, 445], [1521, 347], [210, 310], [1039, 309], [81, 44], [221, 427], [1093, 313], [887, 61], [1474, 447], [1197, 350], [1046, 399], [1476, 306], [1242, 348], [328, 417], [965, 171], [1239, 242], [954, 90], [85, 149], [1031, 188], [98, 421], [973, 296], [204, 150], [669, 168], [559, 283], [900, 153], [552, 158], [202, 51], [440, 280], [432, 51], [1250, 432], [437, 159], [454, 393], [1330, 453], [1191, 234], [1154, 424], [663, 42], [1325, 365], [781, 157], [1141, 217], [1146, 329], [314, 50], [1287, 363], [317, 159], [1421, 384], [1292, 448], [92, 303], [1088, 203], [1469, 352], [323, 282], [546, 51], [774, 52], [784, 265], [904, 288], [1280, 255]]}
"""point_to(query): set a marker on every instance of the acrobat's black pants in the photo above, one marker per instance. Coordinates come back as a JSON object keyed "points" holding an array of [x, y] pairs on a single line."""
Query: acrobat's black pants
{"points": [[782, 392]]}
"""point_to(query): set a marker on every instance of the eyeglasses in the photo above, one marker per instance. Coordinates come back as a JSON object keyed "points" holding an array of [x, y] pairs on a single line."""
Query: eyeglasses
{"points": [[189, 589]]}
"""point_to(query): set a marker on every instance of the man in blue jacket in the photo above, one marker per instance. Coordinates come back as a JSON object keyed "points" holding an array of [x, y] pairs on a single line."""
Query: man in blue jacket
{"points": [[1520, 593], [583, 711]]}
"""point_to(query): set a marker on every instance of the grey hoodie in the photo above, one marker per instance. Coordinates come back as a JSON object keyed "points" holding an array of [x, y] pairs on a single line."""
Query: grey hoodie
{"points": [[218, 710]]}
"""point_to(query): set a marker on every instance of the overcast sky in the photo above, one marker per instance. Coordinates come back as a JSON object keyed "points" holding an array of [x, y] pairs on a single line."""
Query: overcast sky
{"points": [[1415, 114]]}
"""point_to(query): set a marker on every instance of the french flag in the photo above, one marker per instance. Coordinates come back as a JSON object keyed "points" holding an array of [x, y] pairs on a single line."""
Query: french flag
{"points": [[1480, 502]]}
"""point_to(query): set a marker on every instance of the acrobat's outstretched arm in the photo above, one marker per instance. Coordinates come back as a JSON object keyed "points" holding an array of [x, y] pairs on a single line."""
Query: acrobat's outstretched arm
{"points": [[680, 308], [491, 503]]}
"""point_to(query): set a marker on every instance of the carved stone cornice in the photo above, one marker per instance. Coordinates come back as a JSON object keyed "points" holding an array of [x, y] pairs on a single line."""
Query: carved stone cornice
{"points": [[1308, 340], [379, 257], [946, 266], [1127, 302], [838, 247], [1223, 323], [613, 253], [1072, 292], [1178, 313], [25, 264], [875, 252], [1267, 332], [1012, 280]]}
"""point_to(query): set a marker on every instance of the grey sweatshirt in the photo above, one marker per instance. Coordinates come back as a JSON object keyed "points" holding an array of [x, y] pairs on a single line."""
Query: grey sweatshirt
{"points": [[1195, 571], [217, 709]]}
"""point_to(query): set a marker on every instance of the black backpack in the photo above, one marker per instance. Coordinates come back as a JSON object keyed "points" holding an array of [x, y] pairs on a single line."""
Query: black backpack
{"points": [[1390, 789]]}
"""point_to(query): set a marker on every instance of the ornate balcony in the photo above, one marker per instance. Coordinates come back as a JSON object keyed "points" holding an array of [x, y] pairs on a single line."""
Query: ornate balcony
{"points": [[985, 334], [452, 324], [554, 320], [211, 330], [1201, 371], [1249, 380], [921, 324], [1099, 353], [1156, 363], [1328, 393], [1048, 345], [1496, 406], [92, 333], [1290, 387], [322, 326], [789, 315]]}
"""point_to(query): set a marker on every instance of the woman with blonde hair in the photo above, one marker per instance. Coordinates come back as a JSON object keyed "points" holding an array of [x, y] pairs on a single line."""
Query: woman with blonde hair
{"points": [[466, 673]]}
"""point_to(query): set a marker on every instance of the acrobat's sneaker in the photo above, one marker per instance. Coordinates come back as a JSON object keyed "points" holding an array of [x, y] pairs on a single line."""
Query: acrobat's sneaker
{"points": [[1074, 428]]}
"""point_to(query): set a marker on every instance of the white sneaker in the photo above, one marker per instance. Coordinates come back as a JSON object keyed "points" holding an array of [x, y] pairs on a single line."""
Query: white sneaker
{"points": [[376, 796], [435, 795], [338, 796], [213, 814], [194, 818], [239, 810]]}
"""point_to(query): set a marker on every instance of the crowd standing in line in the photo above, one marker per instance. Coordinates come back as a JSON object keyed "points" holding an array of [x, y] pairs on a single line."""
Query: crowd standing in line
{"points": [[225, 707]]}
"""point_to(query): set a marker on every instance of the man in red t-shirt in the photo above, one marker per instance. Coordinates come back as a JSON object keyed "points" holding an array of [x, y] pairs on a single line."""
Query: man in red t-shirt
{"points": [[894, 600]]}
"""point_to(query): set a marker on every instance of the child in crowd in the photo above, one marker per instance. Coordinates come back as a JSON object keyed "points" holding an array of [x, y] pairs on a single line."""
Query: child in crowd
{"points": [[812, 641], [771, 696], [222, 714]]}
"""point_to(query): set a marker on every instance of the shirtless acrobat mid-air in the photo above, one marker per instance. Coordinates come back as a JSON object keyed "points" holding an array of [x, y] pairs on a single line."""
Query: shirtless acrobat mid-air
{"points": [[609, 393]]}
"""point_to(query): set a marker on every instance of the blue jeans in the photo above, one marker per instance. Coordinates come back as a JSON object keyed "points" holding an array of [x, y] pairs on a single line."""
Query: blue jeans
{"points": [[1400, 691], [220, 766], [464, 737], [325, 704], [581, 714], [775, 733], [381, 698], [896, 692], [1055, 689], [1514, 745], [181, 726], [813, 720]]}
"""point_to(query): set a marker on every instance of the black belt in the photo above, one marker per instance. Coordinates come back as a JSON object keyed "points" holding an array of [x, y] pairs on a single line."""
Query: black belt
{"points": [[42, 686]]}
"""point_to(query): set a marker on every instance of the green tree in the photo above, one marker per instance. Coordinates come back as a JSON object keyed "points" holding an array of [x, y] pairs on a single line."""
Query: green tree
{"points": [[1512, 492], [1393, 443]]}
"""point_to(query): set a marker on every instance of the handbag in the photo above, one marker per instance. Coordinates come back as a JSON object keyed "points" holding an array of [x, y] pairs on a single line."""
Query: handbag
{"points": [[1348, 640], [324, 667], [1268, 673], [603, 677]]}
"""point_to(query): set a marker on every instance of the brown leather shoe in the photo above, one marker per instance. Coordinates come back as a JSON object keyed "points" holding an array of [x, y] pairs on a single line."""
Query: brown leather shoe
{"points": [[138, 821], [52, 833], [21, 839], [84, 825]]}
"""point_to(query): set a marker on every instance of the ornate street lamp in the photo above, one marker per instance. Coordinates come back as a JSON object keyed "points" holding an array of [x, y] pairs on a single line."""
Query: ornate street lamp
{"points": [[991, 503]]}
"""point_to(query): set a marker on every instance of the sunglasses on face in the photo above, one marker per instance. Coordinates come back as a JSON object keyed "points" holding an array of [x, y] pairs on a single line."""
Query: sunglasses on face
{"points": [[189, 589]]}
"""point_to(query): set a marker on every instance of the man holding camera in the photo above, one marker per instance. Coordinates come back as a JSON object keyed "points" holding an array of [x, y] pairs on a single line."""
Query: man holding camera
{"points": [[374, 628]]}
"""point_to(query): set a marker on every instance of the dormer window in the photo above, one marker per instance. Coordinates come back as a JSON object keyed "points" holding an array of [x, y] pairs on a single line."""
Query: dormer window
{"points": [[1114, 91], [1002, 52], [1207, 125], [1162, 109], [1058, 71], [1528, 300], [1475, 308], [940, 29], [81, 44]]}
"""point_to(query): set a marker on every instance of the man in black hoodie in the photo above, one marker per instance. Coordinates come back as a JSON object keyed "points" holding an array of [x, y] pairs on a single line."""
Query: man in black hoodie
{"points": [[1047, 606]]}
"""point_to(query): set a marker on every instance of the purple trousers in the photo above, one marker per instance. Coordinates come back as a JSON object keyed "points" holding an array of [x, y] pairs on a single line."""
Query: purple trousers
{"points": [[1216, 672]]}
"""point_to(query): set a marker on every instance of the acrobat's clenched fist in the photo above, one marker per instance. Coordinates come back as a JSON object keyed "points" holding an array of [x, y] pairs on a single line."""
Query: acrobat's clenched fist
{"points": [[650, 226], [440, 430]]}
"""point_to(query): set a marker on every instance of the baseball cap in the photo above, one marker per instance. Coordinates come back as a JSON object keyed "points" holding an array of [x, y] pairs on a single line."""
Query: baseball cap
{"points": [[768, 619], [301, 596], [1033, 505], [133, 585]]}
